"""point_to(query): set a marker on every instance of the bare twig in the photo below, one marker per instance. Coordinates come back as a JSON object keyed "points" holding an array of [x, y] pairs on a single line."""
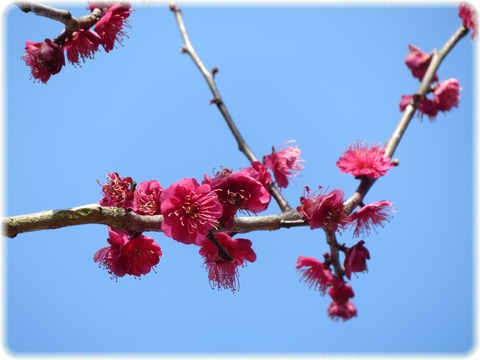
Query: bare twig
{"points": [[217, 100]]}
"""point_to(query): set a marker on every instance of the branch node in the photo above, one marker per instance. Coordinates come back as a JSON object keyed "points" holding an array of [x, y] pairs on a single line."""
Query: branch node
{"points": [[216, 101]]}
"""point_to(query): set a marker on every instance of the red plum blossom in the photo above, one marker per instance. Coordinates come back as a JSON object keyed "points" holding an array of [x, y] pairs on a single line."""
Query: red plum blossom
{"points": [[324, 211], [371, 215], [189, 210], [356, 259], [418, 62], [314, 273], [446, 94], [81, 44], [128, 254], [238, 191], [469, 16], [117, 192], [45, 59], [284, 163], [146, 198], [362, 160], [223, 273], [110, 26]]}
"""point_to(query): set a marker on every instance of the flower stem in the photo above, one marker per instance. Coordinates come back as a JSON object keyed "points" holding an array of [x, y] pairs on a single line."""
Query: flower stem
{"points": [[333, 257], [221, 251]]}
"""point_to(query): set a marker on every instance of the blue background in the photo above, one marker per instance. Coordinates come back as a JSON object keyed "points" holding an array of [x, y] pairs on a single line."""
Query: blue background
{"points": [[324, 76]]}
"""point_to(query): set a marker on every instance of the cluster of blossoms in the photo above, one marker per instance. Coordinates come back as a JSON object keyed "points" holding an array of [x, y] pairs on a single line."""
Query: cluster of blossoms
{"points": [[193, 214], [317, 275], [48, 57], [326, 210], [446, 94], [203, 213]]}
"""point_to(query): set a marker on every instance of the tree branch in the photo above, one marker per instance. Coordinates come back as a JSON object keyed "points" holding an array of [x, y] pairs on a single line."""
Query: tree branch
{"points": [[65, 17], [392, 144], [334, 258], [217, 100], [119, 218]]}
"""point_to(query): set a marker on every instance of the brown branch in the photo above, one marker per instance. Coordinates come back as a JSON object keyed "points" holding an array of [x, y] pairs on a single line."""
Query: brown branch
{"points": [[121, 219], [334, 258], [217, 100], [65, 17], [392, 144]]}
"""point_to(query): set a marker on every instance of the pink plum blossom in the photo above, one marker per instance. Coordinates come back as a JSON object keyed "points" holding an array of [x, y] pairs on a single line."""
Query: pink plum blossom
{"points": [[356, 259], [81, 44], [284, 163], [45, 59], [425, 106], [324, 211], [341, 307], [146, 198], [238, 191], [446, 94], [223, 273], [362, 160], [189, 210], [469, 16], [128, 254], [371, 215], [259, 172], [418, 62], [110, 26], [117, 192], [314, 273], [342, 310]]}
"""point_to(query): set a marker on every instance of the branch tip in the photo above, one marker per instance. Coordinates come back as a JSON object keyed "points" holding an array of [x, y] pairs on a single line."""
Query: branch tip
{"points": [[173, 8]]}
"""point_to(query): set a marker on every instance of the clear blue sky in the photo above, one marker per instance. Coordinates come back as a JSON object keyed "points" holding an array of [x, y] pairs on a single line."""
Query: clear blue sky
{"points": [[324, 76]]}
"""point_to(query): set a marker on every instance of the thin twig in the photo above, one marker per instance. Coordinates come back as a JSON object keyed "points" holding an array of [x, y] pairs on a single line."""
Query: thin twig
{"points": [[217, 100], [334, 258]]}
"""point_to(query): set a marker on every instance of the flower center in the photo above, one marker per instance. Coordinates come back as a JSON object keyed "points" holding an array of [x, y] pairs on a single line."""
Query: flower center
{"points": [[190, 210]]}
